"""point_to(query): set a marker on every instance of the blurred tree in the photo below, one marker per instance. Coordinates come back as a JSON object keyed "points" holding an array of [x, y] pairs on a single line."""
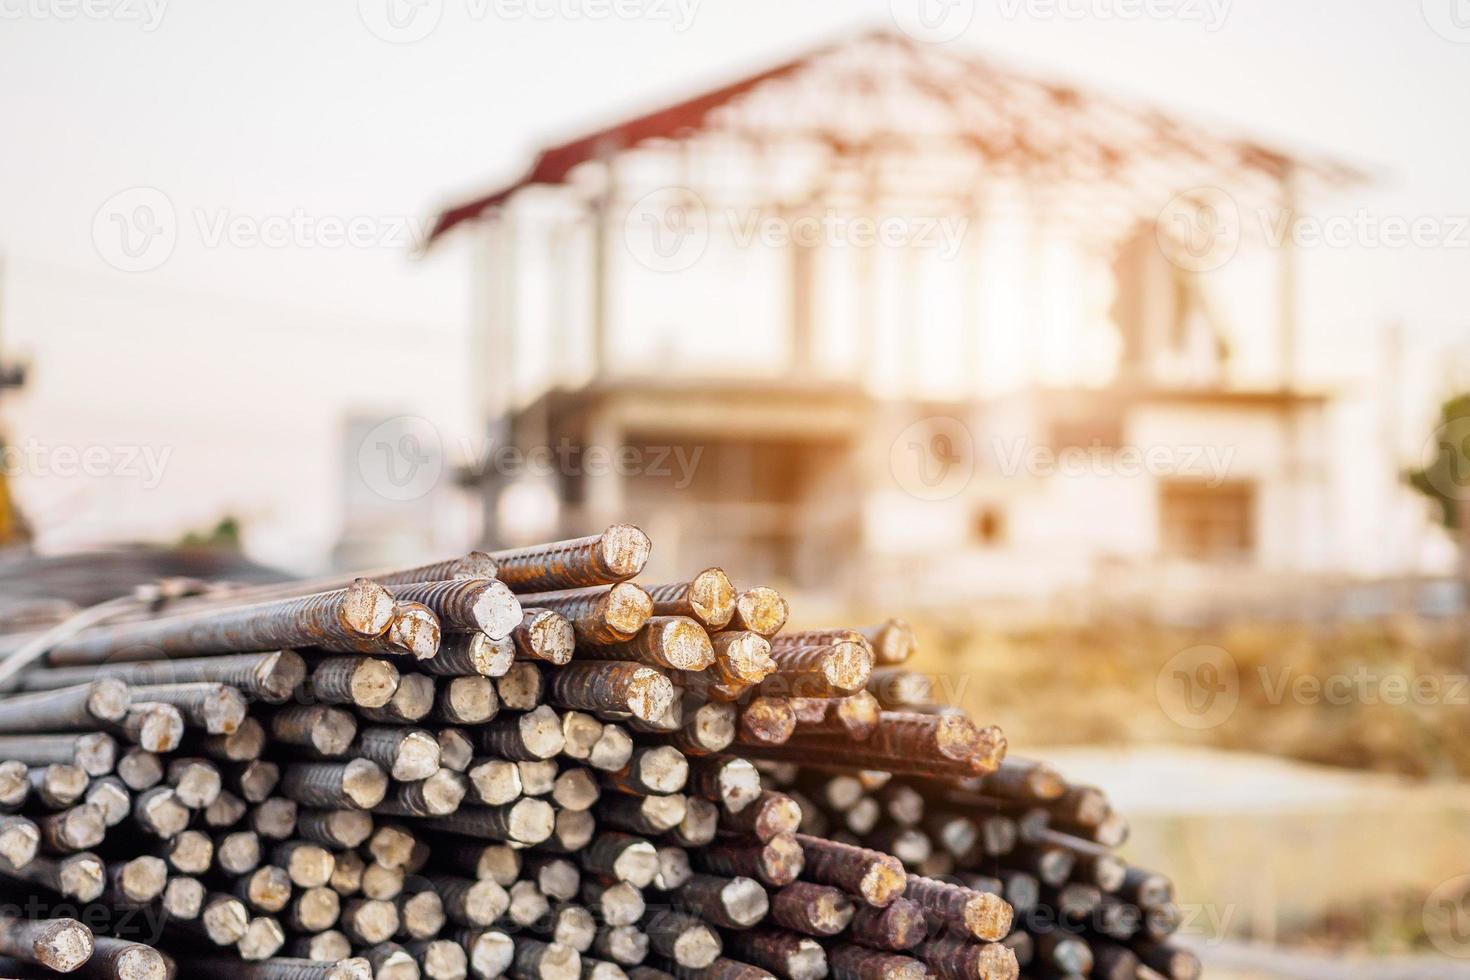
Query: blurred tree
{"points": [[224, 536], [1445, 479]]}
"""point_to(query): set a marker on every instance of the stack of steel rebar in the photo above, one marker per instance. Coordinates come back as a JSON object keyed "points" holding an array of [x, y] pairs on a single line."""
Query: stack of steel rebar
{"points": [[522, 764]]}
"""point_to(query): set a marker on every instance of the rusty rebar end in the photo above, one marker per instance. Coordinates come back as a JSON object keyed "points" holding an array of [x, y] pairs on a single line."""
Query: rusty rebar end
{"points": [[81, 876], [742, 657], [883, 882], [415, 630], [139, 962], [622, 551], [364, 784], [682, 643], [19, 841], [552, 637], [108, 699], [62, 945], [366, 608], [761, 609], [768, 721], [497, 611], [988, 916], [712, 598], [847, 667], [650, 693]]}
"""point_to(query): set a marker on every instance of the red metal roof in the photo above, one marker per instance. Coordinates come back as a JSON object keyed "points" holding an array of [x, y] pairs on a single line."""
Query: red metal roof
{"points": [[997, 113]]}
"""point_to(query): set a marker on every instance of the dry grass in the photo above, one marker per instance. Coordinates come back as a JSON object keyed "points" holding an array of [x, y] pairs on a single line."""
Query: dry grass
{"points": [[1096, 685]]}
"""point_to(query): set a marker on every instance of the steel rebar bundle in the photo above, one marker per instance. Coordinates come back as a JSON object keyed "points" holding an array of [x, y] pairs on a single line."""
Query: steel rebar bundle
{"points": [[524, 764]]}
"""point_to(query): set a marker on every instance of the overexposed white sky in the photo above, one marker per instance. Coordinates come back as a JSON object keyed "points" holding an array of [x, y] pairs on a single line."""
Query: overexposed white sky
{"points": [[241, 354]]}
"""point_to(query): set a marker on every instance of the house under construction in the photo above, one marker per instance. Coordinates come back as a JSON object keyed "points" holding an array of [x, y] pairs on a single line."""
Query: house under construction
{"points": [[892, 315]]}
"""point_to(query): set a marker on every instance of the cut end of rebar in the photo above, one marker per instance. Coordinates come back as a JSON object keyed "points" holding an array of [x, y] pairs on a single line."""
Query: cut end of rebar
{"points": [[263, 939], [626, 609], [682, 643], [332, 731], [366, 609], [884, 881], [183, 898], [397, 965], [373, 683], [491, 954], [663, 769], [531, 820], [81, 876], [247, 742], [778, 814], [781, 860], [762, 609], [142, 879], [415, 630], [988, 916], [108, 699], [712, 598], [768, 721], [612, 751], [351, 968], [63, 945], [743, 657], [697, 947], [196, 784], [739, 784], [14, 783], [551, 636], [418, 757], [84, 826], [138, 962], [224, 711], [622, 551], [540, 731], [662, 813], [96, 753], [745, 901], [225, 920], [996, 962], [114, 799], [280, 674], [19, 841], [847, 667], [637, 864], [832, 911], [650, 693], [497, 611], [160, 728], [445, 960], [470, 700], [364, 784]]}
